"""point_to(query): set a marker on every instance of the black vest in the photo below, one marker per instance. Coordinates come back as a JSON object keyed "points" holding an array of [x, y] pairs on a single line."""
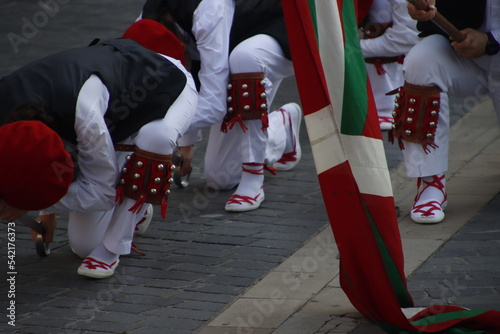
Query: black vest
{"points": [[142, 86], [461, 13], [251, 17]]}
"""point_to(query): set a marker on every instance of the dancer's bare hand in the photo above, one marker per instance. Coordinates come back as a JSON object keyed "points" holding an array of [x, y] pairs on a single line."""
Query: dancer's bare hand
{"points": [[187, 155], [49, 223], [9, 213], [423, 15], [474, 44]]}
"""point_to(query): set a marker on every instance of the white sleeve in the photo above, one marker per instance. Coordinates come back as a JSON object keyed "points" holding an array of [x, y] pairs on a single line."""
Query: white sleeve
{"points": [[396, 40], [94, 187], [380, 11], [212, 22]]}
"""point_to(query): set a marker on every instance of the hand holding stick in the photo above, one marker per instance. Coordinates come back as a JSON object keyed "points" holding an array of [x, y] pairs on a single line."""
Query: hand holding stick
{"points": [[41, 247], [440, 21]]}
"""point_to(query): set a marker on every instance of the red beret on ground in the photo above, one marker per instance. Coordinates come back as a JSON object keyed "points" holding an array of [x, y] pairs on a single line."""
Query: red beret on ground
{"points": [[156, 37], [35, 169]]}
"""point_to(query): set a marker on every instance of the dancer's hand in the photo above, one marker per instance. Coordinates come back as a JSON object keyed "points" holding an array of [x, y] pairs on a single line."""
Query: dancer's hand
{"points": [[423, 15], [49, 223], [9, 213], [187, 153], [474, 44]]}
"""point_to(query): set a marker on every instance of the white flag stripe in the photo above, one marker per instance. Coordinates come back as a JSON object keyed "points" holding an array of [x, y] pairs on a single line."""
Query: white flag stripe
{"points": [[331, 49], [325, 139], [369, 164], [370, 170]]}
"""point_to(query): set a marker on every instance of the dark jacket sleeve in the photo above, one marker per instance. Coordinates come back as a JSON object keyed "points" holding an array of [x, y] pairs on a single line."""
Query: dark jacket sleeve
{"points": [[462, 13]]}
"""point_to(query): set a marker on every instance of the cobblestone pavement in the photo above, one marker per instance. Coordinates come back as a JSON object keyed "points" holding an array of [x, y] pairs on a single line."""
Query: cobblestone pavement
{"points": [[201, 259], [466, 270], [196, 262]]}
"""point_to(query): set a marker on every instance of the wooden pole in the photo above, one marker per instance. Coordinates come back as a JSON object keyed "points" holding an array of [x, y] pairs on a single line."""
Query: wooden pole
{"points": [[440, 21]]}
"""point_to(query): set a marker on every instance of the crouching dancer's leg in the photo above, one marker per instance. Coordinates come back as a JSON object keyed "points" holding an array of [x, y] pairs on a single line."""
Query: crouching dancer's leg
{"points": [[145, 179]]}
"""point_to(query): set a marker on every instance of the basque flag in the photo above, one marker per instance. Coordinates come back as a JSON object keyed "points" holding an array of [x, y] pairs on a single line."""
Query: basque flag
{"points": [[346, 141]]}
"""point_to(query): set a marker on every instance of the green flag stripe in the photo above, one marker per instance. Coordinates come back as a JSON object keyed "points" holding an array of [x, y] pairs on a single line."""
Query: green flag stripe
{"points": [[397, 282], [312, 8], [355, 76], [443, 317], [355, 95]]}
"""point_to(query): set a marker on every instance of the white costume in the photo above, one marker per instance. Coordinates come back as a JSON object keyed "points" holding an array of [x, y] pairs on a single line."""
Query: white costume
{"points": [[395, 41], [212, 23], [93, 193], [94, 216], [226, 150], [101, 100], [434, 63]]}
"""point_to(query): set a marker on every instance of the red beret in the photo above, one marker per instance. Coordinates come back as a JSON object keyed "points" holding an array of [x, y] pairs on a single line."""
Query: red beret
{"points": [[35, 169], [156, 37]]}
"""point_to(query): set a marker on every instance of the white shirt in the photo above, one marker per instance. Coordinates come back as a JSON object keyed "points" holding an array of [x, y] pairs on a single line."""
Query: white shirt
{"points": [[97, 168], [396, 40], [212, 21]]}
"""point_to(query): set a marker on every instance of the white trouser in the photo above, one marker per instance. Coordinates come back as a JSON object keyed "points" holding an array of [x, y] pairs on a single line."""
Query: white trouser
{"points": [[226, 151], [115, 228], [384, 83], [434, 62]]}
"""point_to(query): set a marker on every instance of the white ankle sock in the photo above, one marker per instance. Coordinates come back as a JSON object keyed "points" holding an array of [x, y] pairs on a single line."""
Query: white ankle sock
{"points": [[290, 138], [103, 254], [252, 179], [431, 193]]}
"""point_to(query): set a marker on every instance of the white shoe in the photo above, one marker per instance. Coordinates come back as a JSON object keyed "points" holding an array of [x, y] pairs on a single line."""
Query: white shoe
{"points": [[93, 268], [428, 213], [385, 122], [250, 192], [290, 159], [143, 224], [428, 208], [238, 203]]}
